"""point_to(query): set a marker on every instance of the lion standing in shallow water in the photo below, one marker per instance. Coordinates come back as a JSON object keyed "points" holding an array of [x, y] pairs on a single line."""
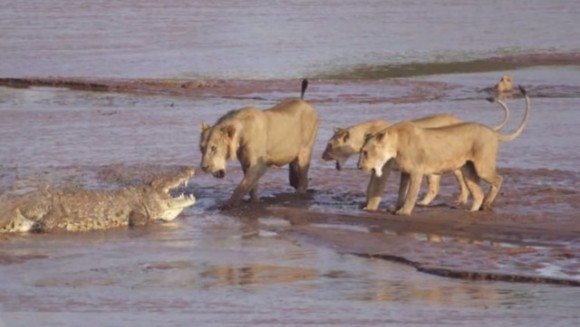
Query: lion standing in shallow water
{"points": [[346, 142], [471, 147], [283, 134]]}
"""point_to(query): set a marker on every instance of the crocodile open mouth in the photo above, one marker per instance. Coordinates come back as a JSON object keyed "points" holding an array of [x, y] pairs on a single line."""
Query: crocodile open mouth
{"points": [[181, 191], [180, 195], [177, 187]]}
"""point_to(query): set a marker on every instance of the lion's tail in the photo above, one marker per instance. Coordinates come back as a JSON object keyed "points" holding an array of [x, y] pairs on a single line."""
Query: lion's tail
{"points": [[304, 87], [506, 113], [517, 132]]}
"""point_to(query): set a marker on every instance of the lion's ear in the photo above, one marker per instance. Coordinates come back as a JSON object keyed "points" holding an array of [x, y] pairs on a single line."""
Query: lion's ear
{"points": [[204, 126], [380, 136], [345, 136], [367, 136], [229, 131], [336, 130]]}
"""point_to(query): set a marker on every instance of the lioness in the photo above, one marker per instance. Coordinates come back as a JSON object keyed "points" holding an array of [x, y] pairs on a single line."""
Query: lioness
{"points": [[471, 147], [348, 141], [505, 84], [283, 134]]}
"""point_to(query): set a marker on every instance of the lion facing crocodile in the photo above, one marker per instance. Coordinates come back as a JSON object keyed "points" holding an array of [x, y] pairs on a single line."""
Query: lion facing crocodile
{"points": [[54, 209]]}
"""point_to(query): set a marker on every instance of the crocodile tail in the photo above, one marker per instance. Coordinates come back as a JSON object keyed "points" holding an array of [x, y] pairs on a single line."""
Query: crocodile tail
{"points": [[304, 87], [506, 113], [517, 132]]}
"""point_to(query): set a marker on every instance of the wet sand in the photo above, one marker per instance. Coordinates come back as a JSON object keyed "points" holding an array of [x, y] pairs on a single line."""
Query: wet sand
{"points": [[286, 248]]}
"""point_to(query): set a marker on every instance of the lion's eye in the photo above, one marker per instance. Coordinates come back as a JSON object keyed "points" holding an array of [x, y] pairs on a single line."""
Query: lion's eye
{"points": [[365, 153], [213, 149]]}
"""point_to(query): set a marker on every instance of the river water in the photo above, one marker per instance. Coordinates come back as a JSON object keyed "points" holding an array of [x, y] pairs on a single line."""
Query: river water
{"points": [[274, 39], [213, 269]]}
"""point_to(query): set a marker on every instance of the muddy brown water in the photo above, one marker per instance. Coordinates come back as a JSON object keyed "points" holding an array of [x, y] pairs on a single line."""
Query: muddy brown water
{"points": [[291, 261], [105, 93]]}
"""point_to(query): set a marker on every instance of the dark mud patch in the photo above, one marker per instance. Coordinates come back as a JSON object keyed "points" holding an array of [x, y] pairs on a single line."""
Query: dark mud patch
{"points": [[495, 63], [319, 91]]}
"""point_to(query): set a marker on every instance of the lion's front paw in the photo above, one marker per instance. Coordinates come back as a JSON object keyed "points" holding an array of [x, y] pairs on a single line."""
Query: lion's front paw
{"points": [[461, 201], [423, 203], [370, 209], [402, 212]]}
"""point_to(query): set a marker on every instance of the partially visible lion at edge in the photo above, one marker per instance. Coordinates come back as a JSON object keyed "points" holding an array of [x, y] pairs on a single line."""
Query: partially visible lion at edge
{"points": [[505, 84], [283, 134]]}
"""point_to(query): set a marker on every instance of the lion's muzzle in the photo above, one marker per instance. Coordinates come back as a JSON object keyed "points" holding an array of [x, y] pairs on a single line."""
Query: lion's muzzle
{"points": [[326, 154], [219, 174]]}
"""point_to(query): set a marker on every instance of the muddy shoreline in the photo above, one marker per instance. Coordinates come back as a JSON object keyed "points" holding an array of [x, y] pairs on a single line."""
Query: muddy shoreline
{"points": [[239, 89]]}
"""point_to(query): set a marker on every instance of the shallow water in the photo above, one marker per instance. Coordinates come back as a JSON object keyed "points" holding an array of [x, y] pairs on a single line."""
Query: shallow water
{"points": [[204, 271], [210, 268], [283, 39]]}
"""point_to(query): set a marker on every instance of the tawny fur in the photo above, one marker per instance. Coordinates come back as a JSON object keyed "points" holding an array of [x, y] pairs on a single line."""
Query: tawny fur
{"points": [[505, 84], [418, 151], [348, 141], [283, 134]]}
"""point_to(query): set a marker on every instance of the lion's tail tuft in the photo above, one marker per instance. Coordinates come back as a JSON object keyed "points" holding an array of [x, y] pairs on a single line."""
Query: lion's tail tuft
{"points": [[304, 87]]}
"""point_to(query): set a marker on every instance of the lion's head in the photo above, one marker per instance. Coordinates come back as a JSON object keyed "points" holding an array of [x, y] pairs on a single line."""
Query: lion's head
{"points": [[377, 150], [217, 145], [343, 144], [338, 148], [505, 84]]}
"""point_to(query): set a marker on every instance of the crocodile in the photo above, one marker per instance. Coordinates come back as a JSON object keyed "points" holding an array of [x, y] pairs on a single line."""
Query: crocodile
{"points": [[77, 209]]}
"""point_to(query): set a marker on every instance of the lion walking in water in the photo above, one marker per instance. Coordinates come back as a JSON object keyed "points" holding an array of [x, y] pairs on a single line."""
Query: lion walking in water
{"points": [[471, 147], [283, 134], [346, 142]]}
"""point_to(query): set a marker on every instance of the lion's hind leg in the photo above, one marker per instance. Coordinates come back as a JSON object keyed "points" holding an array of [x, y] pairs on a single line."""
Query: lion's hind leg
{"points": [[495, 181], [305, 153], [472, 180], [463, 190], [294, 173], [301, 167]]}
